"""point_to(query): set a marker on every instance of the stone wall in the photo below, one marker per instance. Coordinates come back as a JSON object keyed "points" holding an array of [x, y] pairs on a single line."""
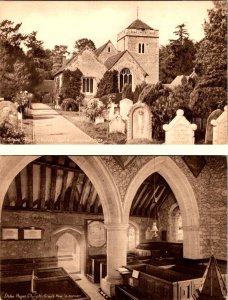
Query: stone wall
{"points": [[127, 61], [105, 54], [129, 39], [210, 188], [50, 222]]}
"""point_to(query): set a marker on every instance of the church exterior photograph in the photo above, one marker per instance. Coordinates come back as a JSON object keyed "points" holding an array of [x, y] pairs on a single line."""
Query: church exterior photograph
{"points": [[145, 82]]}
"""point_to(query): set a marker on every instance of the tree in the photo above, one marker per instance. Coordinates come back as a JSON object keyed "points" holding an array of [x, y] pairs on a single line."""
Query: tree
{"points": [[81, 44], [17, 69], [108, 84], [181, 33], [211, 63], [60, 50], [177, 57]]}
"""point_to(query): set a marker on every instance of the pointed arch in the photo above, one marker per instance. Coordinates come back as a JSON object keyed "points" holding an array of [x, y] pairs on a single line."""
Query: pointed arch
{"points": [[184, 194], [92, 166]]}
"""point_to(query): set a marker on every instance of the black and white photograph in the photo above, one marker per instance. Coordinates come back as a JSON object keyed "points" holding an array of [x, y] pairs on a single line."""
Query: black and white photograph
{"points": [[113, 72], [115, 227]]}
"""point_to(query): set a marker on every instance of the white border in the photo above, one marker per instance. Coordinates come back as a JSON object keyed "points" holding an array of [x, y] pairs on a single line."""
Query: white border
{"points": [[114, 149]]}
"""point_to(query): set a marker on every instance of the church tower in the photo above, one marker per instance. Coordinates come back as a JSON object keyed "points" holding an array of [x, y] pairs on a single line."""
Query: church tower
{"points": [[142, 42]]}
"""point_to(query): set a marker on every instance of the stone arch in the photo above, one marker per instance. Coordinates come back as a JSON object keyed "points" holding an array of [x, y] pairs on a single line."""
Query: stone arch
{"points": [[184, 194], [92, 166], [79, 237]]}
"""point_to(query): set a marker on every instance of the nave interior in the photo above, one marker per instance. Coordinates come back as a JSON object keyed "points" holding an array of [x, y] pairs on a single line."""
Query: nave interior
{"points": [[113, 228]]}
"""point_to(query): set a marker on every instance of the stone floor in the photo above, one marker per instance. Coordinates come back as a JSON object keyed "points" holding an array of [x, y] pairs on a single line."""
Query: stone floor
{"points": [[49, 127]]}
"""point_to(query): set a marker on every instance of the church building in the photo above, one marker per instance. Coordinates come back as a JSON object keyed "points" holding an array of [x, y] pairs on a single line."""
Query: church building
{"points": [[136, 59], [113, 227]]}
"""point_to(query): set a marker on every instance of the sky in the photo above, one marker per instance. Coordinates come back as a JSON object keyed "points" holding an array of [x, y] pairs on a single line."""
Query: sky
{"points": [[64, 22]]}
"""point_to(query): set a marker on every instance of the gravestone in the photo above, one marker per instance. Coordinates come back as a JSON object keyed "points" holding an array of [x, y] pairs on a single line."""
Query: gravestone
{"points": [[179, 130], [125, 106], [209, 128], [220, 128], [139, 123], [111, 111], [99, 120], [117, 124], [8, 112]]}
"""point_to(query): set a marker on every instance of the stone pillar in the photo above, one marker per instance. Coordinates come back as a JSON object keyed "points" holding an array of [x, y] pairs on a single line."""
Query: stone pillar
{"points": [[116, 256], [191, 242]]}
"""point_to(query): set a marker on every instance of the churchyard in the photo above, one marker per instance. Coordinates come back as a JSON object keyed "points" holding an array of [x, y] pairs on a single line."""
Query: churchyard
{"points": [[126, 123]]}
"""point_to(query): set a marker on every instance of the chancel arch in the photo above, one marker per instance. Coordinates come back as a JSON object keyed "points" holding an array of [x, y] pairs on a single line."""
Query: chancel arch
{"points": [[183, 193]]}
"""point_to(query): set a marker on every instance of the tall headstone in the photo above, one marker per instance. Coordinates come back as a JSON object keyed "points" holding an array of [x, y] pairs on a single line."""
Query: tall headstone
{"points": [[209, 128], [8, 112], [117, 124], [220, 128], [111, 111], [179, 130], [125, 106], [139, 123]]}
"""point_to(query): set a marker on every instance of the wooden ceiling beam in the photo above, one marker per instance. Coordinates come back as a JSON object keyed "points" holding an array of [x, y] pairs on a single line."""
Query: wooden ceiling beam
{"points": [[137, 200], [18, 190], [42, 186], [30, 185], [57, 166], [73, 192], [53, 188], [63, 190]]}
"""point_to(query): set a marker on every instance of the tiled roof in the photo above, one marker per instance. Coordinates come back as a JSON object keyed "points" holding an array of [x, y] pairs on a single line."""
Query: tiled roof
{"points": [[100, 49], [138, 24], [110, 62]]}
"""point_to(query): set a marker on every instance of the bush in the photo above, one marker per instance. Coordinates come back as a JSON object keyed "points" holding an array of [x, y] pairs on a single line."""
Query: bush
{"points": [[138, 91], [107, 99], [9, 134], [164, 103], [69, 104], [108, 84], [93, 110], [127, 92]]}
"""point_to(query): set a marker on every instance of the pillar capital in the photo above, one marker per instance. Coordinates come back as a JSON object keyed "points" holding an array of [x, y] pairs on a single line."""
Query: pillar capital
{"points": [[116, 226]]}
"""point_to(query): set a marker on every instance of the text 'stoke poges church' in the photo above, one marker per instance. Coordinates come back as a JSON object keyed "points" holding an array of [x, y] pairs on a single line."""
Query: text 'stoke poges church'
{"points": [[136, 59]]}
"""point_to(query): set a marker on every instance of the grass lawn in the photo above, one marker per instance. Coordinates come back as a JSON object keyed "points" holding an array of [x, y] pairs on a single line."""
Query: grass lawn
{"points": [[98, 132], [27, 127]]}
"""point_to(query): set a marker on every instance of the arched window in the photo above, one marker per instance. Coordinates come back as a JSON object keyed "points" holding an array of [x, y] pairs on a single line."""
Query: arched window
{"points": [[125, 78], [109, 49]]}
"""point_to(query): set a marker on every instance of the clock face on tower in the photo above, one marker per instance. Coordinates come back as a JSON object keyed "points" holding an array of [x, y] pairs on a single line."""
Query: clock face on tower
{"points": [[96, 234]]}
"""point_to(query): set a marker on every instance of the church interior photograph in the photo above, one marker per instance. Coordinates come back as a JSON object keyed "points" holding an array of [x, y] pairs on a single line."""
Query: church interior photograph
{"points": [[113, 227]]}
